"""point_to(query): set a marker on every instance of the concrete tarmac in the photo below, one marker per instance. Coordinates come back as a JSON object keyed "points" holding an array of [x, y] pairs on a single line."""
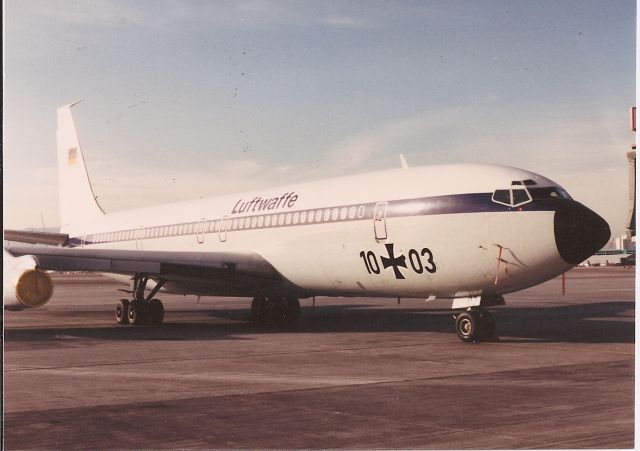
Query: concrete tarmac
{"points": [[360, 373]]}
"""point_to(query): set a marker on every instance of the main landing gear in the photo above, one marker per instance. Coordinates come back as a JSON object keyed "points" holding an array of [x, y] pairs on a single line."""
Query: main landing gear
{"points": [[475, 324], [141, 309], [281, 312]]}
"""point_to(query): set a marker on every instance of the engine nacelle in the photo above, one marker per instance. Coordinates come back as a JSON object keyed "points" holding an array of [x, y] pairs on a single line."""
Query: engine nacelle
{"points": [[24, 286]]}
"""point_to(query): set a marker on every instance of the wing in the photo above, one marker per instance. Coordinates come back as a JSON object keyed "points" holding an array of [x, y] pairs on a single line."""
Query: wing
{"points": [[24, 236], [215, 273]]}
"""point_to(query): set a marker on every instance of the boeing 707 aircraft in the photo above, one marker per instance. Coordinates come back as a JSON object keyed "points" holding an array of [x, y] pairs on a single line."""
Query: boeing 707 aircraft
{"points": [[469, 233]]}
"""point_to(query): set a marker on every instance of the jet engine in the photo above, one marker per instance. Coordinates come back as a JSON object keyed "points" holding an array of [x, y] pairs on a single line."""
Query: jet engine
{"points": [[24, 286]]}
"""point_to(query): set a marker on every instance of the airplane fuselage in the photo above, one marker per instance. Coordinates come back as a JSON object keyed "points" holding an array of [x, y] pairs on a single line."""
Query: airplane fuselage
{"points": [[439, 231]]}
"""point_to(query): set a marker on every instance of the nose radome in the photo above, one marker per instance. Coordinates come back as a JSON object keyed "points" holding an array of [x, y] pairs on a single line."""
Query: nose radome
{"points": [[579, 232]]}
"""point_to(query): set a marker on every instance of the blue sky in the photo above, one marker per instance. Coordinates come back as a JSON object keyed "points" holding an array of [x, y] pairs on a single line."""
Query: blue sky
{"points": [[185, 99]]}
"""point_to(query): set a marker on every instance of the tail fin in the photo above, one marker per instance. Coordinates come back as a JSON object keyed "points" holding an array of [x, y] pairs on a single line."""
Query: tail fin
{"points": [[78, 203]]}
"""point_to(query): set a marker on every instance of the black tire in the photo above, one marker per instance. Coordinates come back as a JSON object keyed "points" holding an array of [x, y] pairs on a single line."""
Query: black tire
{"points": [[258, 310], [488, 325], [122, 311], [137, 313], [468, 326], [271, 312], [156, 312], [290, 314]]}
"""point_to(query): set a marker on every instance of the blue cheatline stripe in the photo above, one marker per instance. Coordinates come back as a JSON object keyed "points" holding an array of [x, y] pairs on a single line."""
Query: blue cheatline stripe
{"points": [[425, 206], [458, 203]]}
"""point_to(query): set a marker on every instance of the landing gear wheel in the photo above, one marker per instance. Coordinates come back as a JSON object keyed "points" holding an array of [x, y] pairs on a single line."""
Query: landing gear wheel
{"points": [[290, 313], [488, 325], [468, 326], [270, 312], [137, 313], [258, 310], [278, 312], [156, 312], [122, 311]]}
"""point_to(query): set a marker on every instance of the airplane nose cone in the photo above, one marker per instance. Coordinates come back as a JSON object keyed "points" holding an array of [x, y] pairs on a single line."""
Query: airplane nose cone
{"points": [[579, 232]]}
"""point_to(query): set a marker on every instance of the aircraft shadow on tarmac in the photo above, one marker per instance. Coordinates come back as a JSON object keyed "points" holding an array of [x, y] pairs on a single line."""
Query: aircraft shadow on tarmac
{"points": [[605, 322]]}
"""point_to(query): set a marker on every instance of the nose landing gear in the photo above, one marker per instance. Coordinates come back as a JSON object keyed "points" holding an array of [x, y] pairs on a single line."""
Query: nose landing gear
{"points": [[475, 324]]}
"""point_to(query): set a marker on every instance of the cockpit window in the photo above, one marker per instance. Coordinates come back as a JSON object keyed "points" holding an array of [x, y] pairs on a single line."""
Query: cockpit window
{"points": [[502, 196], [549, 193], [564, 194], [527, 182], [520, 196], [513, 197]]}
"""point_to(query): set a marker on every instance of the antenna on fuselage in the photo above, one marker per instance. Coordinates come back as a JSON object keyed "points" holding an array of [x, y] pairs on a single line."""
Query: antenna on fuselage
{"points": [[403, 162]]}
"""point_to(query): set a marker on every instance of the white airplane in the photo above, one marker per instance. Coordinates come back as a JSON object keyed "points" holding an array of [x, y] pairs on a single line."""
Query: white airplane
{"points": [[468, 233]]}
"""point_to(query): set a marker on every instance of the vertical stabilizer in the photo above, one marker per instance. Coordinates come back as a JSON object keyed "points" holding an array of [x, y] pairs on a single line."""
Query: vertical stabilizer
{"points": [[78, 205]]}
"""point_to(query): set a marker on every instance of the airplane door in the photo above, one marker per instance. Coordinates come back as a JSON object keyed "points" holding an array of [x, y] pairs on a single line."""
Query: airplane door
{"points": [[223, 229], [200, 231], [139, 235], [380, 221]]}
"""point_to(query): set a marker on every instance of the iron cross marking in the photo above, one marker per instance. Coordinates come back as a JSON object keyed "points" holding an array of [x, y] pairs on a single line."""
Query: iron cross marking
{"points": [[394, 261]]}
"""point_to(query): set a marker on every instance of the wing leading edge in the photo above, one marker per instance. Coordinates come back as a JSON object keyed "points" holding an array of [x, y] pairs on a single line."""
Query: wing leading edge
{"points": [[215, 273], [25, 236]]}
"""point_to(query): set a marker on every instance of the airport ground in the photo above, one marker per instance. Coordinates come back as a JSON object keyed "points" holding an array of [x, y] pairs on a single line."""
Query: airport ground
{"points": [[360, 373]]}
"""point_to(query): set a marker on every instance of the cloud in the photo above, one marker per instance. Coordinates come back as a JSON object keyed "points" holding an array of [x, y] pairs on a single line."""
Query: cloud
{"points": [[396, 136], [347, 23], [94, 13], [164, 13], [120, 186]]}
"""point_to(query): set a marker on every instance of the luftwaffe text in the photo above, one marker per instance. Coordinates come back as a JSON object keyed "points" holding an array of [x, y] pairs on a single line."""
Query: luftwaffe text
{"points": [[287, 200]]}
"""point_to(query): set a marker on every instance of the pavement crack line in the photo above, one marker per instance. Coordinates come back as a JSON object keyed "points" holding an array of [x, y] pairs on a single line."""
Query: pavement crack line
{"points": [[364, 383], [194, 359]]}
